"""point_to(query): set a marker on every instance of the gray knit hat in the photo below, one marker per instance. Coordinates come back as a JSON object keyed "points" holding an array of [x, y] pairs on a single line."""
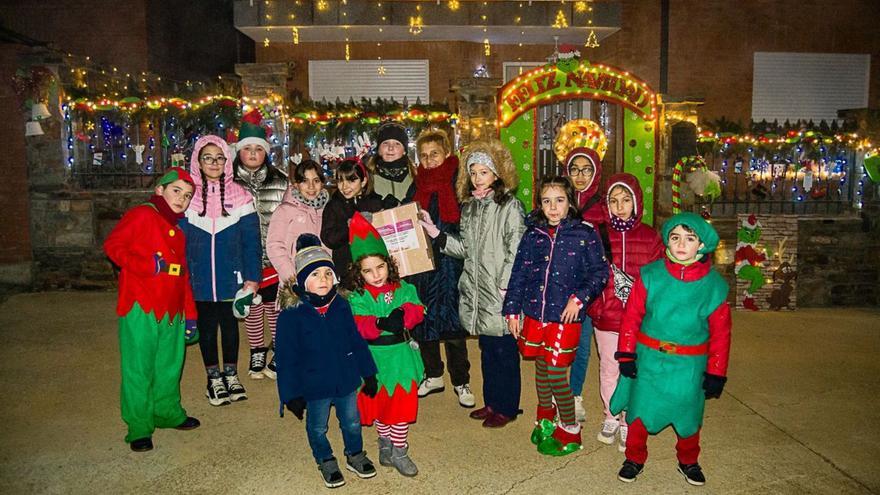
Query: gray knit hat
{"points": [[309, 257]]}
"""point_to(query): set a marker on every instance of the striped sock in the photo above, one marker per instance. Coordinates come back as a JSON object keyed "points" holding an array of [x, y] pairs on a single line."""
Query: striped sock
{"points": [[558, 378], [272, 317], [383, 430], [399, 432], [541, 384], [254, 325]]}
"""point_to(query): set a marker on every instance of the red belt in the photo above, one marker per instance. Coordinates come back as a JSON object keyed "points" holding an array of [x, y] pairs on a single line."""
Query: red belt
{"points": [[672, 347]]}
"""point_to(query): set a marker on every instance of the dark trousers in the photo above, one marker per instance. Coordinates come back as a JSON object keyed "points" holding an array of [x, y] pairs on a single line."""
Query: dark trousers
{"points": [[211, 315], [456, 354], [501, 375]]}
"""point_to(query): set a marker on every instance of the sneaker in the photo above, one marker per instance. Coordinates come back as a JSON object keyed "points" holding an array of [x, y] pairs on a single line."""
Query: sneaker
{"points": [[622, 431], [609, 428], [258, 362], [385, 451], [235, 388], [401, 461], [629, 471], [579, 413], [360, 465], [141, 444], [330, 473], [269, 371], [217, 393], [431, 386], [465, 396], [692, 473]]}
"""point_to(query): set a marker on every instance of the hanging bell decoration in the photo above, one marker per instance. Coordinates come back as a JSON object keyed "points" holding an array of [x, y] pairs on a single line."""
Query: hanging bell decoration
{"points": [[40, 111], [33, 128]]}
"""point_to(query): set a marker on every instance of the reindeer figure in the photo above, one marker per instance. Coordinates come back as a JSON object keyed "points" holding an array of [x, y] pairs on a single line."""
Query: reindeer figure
{"points": [[780, 297]]}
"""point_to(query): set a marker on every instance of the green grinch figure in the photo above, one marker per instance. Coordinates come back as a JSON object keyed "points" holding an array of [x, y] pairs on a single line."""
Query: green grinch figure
{"points": [[748, 260]]}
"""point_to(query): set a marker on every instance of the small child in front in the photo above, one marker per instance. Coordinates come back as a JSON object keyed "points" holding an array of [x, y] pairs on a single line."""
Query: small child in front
{"points": [[321, 360], [156, 309], [674, 346]]}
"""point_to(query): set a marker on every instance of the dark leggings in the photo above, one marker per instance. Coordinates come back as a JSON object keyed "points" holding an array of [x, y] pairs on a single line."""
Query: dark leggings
{"points": [[212, 314]]}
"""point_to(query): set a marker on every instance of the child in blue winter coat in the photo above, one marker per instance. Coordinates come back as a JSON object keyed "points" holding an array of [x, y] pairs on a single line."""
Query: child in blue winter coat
{"points": [[223, 254], [560, 268], [321, 359]]}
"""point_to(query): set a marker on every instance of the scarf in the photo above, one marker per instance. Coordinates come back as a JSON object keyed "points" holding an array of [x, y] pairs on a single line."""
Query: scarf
{"points": [[164, 210], [395, 171], [480, 194], [621, 225], [439, 180], [319, 202], [314, 299]]}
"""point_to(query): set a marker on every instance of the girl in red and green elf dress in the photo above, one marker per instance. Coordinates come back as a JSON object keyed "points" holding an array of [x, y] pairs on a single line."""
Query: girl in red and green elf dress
{"points": [[386, 309]]}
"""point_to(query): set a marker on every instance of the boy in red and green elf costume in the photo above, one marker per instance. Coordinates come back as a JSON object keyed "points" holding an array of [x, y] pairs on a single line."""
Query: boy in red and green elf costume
{"points": [[674, 346], [156, 309]]}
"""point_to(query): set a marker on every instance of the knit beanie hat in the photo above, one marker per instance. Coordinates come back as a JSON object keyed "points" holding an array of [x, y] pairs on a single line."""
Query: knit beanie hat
{"points": [[704, 230], [395, 131], [309, 257], [252, 131], [175, 174], [364, 239]]}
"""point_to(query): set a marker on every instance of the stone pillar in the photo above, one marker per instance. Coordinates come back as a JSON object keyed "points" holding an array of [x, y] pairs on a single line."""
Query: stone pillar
{"points": [[476, 100], [264, 80]]}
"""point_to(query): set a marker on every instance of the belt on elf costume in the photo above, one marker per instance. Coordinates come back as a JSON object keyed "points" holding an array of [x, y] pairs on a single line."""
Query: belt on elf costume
{"points": [[395, 338], [671, 347]]}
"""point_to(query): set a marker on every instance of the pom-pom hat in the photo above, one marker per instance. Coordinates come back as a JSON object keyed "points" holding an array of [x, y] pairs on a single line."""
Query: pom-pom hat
{"points": [[309, 257]]}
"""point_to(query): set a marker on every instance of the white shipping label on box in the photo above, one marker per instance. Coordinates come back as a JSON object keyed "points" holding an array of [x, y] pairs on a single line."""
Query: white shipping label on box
{"points": [[399, 236]]}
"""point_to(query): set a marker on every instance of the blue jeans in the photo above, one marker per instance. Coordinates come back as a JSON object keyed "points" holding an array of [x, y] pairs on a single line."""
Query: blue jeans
{"points": [[317, 418], [581, 357]]}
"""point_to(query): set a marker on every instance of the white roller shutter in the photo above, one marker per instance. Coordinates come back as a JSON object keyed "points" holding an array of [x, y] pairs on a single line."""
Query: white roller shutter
{"points": [[361, 79], [808, 86]]}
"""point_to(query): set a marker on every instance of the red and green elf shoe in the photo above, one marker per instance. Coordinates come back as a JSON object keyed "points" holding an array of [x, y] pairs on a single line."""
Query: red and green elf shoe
{"points": [[561, 442], [545, 423]]}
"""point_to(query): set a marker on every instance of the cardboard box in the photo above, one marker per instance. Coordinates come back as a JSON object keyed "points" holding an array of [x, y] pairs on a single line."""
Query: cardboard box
{"points": [[405, 238]]}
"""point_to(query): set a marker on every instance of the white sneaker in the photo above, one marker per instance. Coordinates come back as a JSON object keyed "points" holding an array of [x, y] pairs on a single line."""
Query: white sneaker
{"points": [[609, 428], [579, 413], [465, 396], [431, 385], [622, 431]]}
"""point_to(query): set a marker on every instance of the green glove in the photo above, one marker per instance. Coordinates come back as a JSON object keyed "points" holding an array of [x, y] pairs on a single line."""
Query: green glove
{"points": [[241, 305], [191, 332]]}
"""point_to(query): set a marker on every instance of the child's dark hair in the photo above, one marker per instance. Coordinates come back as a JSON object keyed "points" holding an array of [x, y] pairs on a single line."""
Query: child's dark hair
{"points": [[299, 172], [562, 183], [357, 280], [352, 169]]}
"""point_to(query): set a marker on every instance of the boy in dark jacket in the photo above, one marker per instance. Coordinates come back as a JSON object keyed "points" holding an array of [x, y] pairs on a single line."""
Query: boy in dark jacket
{"points": [[321, 359]]}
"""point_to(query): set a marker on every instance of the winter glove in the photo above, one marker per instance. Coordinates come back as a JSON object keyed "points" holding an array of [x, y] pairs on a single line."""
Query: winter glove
{"points": [[428, 224], [627, 364], [191, 332], [161, 264], [392, 323], [241, 305], [713, 385], [371, 386], [297, 407]]}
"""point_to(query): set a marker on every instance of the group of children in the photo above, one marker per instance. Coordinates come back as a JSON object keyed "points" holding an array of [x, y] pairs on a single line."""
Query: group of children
{"points": [[354, 335]]}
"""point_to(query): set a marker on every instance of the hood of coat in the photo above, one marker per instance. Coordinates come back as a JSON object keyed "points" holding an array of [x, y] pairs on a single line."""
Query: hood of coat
{"points": [[234, 195], [194, 168], [593, 188], [630, 182]]}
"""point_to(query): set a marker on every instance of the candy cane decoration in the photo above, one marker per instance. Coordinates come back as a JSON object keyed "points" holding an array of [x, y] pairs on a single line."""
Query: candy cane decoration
{"points": [[696, 161]]}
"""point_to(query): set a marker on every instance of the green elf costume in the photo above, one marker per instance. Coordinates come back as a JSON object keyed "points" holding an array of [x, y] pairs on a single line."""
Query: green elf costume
{"points": [[156, 311], [673, 350]]}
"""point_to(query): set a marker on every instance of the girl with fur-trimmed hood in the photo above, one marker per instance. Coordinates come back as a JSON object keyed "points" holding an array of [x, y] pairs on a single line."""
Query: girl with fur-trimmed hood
{"points": [[490, 230]]}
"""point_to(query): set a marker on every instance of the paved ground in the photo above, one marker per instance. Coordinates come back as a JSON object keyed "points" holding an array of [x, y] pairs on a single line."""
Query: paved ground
{"points": [[799, 415]]}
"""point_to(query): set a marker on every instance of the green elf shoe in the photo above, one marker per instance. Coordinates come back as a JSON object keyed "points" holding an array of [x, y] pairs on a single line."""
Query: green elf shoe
{"points": [[561, 443], [543, 429]]}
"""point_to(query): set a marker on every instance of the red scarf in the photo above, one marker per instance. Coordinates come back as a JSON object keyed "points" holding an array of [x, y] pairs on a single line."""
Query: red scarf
{"points": [[439, 180]]}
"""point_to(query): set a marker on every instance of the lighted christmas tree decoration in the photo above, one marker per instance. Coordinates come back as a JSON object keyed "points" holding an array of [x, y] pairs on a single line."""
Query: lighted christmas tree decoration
{"points": [[592, 40], [561, 21]]}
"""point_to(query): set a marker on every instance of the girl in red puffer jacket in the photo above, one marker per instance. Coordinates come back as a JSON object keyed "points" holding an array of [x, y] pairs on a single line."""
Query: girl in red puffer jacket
{"points": [[633, 245]]}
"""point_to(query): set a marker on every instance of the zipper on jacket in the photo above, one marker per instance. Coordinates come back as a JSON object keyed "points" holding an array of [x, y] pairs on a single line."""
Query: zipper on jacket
{"points": [[482, 216], [547, 270], [681, 275], [213, 257]]}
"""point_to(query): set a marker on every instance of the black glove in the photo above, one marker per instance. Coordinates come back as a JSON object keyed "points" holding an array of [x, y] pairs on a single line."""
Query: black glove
{"points": [[713, 385], [297, 407], [392, 323], [628, 365], [371, 386]]}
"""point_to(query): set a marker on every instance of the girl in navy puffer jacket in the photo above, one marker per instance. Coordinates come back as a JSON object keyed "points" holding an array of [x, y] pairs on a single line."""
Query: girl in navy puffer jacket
{"points": [[559, 269]]}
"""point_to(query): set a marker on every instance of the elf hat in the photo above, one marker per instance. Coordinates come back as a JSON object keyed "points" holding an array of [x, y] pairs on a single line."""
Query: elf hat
{"points": [[364, 239], [175, 174], [580, 137], [750, 222], [252, 131], [392, 130], [567, 51], [309, 257], [698, 224]]}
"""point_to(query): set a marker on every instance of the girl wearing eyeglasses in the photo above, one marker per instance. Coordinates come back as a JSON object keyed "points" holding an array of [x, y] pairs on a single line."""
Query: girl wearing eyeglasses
{"points": [[223, 253]]}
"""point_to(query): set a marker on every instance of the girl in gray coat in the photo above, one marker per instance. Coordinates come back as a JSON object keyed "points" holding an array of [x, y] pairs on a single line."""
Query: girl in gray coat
{"points": [[491, 228]]}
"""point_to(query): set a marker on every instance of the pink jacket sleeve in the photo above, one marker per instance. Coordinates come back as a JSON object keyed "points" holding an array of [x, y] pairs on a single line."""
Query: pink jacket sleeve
{"points": [[279, 242]]}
